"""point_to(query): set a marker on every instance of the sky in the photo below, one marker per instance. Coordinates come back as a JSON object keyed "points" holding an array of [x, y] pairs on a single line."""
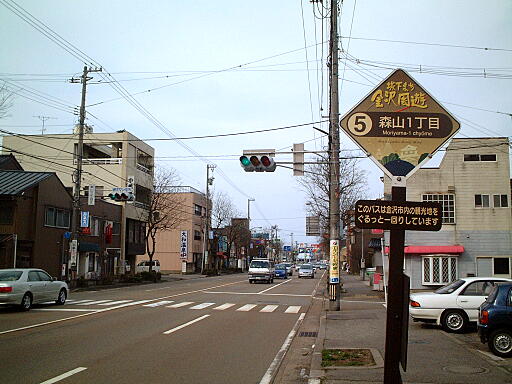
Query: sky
{"points": [[207, 68]]}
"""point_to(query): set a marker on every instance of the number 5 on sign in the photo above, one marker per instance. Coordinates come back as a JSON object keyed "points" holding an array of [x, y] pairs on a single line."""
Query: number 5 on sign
{"points": [[359, 124]]}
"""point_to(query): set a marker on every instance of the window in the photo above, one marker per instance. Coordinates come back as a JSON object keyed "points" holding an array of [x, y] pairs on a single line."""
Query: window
{"points": [[55, 217], [448, 204], [198, 210], [500, 201], [481, 201], [439, 270], [43, 276], [197, 235], [476, 157], [6, 214], [501, 266], [478, 288], [33, 276], [116, 228]]}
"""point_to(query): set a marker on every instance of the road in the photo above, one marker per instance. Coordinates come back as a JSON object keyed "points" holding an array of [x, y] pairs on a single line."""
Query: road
{"points": [[205, 330]]}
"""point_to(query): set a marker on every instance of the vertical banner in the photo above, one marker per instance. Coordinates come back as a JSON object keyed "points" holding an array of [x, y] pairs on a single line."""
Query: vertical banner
{"points": [[184, 245], [91, 195], [84, 219], [73, 250], [334, 270]]}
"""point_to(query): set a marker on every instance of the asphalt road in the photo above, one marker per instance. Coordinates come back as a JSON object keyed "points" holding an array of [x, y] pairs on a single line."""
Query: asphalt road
{"points": [[208, 330]]}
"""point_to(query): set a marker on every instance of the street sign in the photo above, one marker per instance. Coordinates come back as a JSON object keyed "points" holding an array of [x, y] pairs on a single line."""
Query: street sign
{"points": [[312, 226], [399, 124], [84, 219], [184, 245], [287, 248], [405, 215], [91, 196], [334, 270]]}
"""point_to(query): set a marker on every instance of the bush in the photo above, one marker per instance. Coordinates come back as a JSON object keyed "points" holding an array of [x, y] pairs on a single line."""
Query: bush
{"points": [[211, 272], [150, 276]]}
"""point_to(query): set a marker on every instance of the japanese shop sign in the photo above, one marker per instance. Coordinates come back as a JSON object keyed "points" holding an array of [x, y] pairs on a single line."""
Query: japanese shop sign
{"points": [[184, 244], [334, 270], [405, 215], [399, 124]]}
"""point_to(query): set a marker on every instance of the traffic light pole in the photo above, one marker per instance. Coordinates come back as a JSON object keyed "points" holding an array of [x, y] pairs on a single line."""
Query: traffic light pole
{"points": [[334, 164]]}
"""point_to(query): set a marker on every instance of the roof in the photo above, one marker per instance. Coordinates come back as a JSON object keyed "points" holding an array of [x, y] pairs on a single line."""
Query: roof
{"points": [[16, 182], [9, 162]]}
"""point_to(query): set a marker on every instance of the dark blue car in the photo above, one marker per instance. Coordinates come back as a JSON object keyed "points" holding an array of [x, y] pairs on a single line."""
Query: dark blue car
{"points": [[280, 271], [495, 320]]}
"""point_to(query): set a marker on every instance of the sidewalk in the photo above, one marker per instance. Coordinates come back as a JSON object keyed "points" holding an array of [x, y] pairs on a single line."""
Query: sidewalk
{"points": [[433, 355]]}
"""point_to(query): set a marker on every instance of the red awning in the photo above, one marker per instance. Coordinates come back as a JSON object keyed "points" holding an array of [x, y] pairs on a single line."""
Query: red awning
{"points": [[432, 249]]}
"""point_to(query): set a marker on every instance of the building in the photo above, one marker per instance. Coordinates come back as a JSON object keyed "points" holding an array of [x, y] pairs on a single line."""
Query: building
{"points": [[472, 183], [35, 214], [109, 160], [180, 249]]}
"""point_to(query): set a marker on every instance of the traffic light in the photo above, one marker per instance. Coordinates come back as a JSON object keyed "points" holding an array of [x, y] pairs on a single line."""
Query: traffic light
{"points": [[258, 163], [121, 194]]}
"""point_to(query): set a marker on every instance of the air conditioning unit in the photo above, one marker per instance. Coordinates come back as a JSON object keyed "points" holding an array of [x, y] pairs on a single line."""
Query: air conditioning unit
{"points": [[451, 189]]}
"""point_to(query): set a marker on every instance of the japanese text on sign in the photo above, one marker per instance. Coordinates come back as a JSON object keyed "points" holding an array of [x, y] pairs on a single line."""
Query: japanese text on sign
{"points": [[400, 94], [184, 244], [420, 216]]}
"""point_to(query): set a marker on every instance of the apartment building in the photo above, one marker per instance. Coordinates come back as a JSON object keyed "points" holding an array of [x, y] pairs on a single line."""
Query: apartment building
{"points": [[472, 183], [181, 249], [109, 159]]}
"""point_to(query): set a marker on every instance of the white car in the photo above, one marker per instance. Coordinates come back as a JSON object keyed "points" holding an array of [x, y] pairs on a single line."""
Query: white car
{"points": [[143, 266], [454, 305], [27, 286]]}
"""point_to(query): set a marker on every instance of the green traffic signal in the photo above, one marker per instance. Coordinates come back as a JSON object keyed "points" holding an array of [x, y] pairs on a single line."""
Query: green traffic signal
{"points": [[245, 160]]}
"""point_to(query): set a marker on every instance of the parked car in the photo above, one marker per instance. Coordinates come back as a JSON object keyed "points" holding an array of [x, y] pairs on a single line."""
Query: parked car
{"points": [[26, 286], [143, 266], [281, 271], [306, 270], [289, 268], [495, 320], [261, 270], [455, 305], [323, 265]]}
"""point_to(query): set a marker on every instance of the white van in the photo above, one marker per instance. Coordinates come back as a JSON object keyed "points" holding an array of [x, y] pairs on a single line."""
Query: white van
{"points": [[261, 269], [143, 266]]}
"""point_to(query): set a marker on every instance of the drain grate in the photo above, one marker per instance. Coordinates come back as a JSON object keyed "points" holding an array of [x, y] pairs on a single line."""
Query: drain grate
{"points": [[308, 334]]}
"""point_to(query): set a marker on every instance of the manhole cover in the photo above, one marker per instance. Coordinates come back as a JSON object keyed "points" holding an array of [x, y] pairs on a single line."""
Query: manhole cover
{"points": [[308, 334], [466, 370]]}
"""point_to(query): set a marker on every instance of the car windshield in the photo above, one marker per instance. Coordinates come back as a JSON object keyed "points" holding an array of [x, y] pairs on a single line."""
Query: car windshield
{"points": [[287, 265], [259, 264], [306, 266], [10, 275], [449, 288], [280, 266]]}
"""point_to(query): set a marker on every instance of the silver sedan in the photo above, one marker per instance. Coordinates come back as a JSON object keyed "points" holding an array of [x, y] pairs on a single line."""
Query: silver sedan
{"points": [[27, 286]]}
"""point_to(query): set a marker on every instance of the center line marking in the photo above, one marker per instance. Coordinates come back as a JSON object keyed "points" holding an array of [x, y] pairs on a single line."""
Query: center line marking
{"points": [[275, 286], [185, 325], [64, 375]]}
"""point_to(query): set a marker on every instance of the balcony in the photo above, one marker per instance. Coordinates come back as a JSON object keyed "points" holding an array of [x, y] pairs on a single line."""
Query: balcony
{"points": [[102, 161]]}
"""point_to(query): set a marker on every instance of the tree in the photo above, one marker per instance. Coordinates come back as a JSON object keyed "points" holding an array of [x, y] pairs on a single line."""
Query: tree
{"points": [[6, 99], [223, 210], [315, 183], [166, 207]]}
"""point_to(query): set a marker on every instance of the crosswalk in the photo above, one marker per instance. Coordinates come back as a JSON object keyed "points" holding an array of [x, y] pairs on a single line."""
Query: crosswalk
{"points": [[171, 304]]}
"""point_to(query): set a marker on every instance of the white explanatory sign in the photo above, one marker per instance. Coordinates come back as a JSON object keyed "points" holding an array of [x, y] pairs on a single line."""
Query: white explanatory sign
{"points": [[184, 245], [91, 195]]}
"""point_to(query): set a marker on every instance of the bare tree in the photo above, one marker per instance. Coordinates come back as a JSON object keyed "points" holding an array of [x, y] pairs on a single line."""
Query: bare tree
{"points": [[6, 99], [223, 211], [166, 207], [315, 183]]}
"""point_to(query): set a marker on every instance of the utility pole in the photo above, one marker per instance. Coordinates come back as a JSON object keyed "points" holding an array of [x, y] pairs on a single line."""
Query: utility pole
{"points": [[43, 119], [206, 237], [79, 157], [334, 165], [250, 232]]}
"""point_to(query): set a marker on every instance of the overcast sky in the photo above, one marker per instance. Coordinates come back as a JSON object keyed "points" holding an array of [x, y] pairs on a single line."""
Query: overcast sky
{"points": [[213, 67]]}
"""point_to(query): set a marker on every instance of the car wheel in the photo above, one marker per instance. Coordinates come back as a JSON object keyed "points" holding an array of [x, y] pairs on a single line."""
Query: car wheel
{"points": [[61, 299], [454, 321], [26, 302], [500, 343]]}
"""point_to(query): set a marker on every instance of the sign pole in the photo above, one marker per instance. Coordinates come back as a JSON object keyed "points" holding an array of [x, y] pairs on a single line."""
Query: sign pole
{"points": [[395, 314]]}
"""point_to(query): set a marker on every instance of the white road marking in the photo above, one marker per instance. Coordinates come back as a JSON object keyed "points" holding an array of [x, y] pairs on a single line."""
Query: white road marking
{"points": [[159, 303], [81, 301], [258, 293], [95, 302], [224, 306], [246, 308], [293, 309], [116, 302], [267, 378], [64, 309], [185, 325], [112, 308], [269, 308], [180, 304], [126, 305], [275, 286], [202, 306], [64, 375]]}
